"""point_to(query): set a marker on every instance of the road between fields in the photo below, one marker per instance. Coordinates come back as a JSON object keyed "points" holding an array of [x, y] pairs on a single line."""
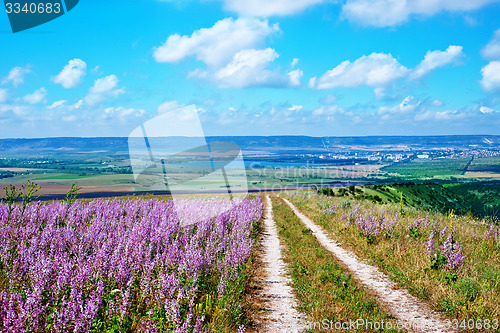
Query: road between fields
{"points": [[408, 310], [281, 303]]}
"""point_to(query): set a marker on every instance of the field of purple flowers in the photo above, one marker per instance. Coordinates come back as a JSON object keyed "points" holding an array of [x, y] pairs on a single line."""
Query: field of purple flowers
{"points": [[123, 265]]}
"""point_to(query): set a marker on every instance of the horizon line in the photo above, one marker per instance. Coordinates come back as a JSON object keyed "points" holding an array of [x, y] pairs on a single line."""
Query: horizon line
{"points": [[259, 136]]}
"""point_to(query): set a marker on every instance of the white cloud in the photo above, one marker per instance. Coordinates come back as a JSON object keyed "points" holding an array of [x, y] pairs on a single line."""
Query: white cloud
{"points": [[449, 115], [250, 68], [376, 70], [169, 106], [295, 77], [491, 76], [295, 107], [266, 8], [230, 50], [437, 102], [78, 104], [72, 74], [294, 62], [122, 112], [435, 59], [217, 45], [16, 76], [383, 13], [70, 118], [102, 89], [37, 97], [492, 49], [409, 104], [18, 110], [328, 110], [486, 110], [3, 95], [56, 105]]}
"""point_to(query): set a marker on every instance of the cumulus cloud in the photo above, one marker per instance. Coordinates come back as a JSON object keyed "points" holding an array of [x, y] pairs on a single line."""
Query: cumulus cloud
{"points": [[265, 8], [295, 77], [122, 112], [486, 110], [437, 102], [3, 95], [16, 76], [491, 76], [18, 110], [384, 13], [104, 88], [295, 107], [231, 51], [169, 106], [449, 115], [37, 97], [250, 68], [56, 104], [435, 59], [380, 70], [375, 70], [72, 74], [492, 50], [77, 105], [409, 104], [217, 45], [328, 110]]}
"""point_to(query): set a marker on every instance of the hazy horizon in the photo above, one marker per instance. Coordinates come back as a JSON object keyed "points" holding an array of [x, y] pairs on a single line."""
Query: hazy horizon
{"points": [[243, 136]]}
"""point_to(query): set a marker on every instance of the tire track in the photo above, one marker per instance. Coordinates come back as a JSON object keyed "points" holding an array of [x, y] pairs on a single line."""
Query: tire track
{"points": [[404, 307], [280, 299]]}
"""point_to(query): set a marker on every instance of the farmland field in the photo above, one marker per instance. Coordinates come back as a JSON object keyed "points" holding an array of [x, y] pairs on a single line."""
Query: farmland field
{"points": [[430, 168]]}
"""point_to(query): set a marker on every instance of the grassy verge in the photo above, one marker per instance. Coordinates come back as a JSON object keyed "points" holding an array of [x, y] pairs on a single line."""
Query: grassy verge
{"points": [[236, 309], [252, 303], [470, 292], [326, 291]]}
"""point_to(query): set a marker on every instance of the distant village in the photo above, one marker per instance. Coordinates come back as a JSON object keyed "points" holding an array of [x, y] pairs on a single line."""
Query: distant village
{"points": [[406, 154]]}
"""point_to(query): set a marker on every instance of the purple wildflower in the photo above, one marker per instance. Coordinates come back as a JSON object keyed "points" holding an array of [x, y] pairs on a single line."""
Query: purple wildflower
{"points": [[430, 245], [105, 248], [453, 254]]}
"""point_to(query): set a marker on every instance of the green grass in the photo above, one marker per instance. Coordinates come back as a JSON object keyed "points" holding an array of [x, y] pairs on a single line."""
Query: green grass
{"points": [[485, 164], [479, 199], [482, 199], [61, 177], [325, 290], [426, 169]]}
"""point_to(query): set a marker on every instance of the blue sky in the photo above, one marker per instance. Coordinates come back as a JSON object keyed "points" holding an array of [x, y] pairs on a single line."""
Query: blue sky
{"points": [[261, 67]]}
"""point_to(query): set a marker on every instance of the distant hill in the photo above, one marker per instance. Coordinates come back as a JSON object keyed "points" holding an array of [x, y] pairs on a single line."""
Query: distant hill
{"points": [[65, 146], [480, 199]]}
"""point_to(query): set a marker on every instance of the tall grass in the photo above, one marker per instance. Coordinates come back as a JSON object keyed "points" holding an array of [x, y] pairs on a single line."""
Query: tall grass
{"points": [[451, 262], [327, 293]]}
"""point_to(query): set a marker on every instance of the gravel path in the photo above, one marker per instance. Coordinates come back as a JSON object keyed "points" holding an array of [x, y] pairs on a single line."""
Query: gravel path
{"points": [[407, 309], [281, 303]]}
